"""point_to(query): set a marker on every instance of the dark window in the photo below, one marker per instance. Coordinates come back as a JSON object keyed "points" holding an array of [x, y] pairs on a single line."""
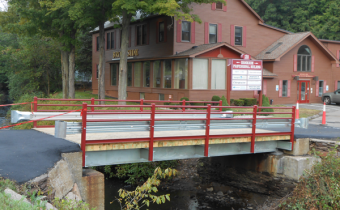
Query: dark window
{"points": [[238, 35], [212, 33], [161, 32], [161, 97], [304, 57], [129, 74], [219, 5], [114, 74], [141, 34], [97, 70], [320, 87], [284, 88], [97, 43], [186, 27], [110, 40]]}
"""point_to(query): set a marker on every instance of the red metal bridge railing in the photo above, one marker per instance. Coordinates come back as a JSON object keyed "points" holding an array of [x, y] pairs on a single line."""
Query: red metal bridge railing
{"points": [[159, 109]]}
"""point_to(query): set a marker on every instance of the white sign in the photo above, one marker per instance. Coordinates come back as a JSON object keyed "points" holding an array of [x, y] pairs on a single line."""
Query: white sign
{"points": [[277, 87], [246, 75], [326, 87]]}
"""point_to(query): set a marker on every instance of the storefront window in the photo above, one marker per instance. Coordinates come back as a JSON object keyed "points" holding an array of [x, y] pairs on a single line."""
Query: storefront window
{"points": [[167, 74], [137, 74], [200, 74], [114, 74], [218, 74], [304, 59], [129, 74], [320, 88], [146, 74], [157, 74], [181, 74]]}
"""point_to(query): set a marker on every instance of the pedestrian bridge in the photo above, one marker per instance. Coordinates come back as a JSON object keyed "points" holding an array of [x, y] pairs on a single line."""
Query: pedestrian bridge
{"points": [[121, 134]]}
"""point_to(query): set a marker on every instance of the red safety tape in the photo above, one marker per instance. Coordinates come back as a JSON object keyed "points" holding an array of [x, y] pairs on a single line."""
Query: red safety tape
{"points": [[15, 104], [8, 126]]}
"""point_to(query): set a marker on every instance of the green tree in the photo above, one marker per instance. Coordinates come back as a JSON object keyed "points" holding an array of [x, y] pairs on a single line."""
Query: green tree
{"points": [[322, 17]]}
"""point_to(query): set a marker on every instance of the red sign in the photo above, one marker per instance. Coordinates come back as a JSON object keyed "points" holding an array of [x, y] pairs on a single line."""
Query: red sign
{"points": [[303, 75], [245, 56], [246, 75]]}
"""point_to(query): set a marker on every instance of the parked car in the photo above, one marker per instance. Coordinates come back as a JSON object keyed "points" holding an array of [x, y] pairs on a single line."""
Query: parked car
{"points": [[332, 97]]}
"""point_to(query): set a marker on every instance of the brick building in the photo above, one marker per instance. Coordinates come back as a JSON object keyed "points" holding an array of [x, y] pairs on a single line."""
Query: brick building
{"points": [[183, 59]]}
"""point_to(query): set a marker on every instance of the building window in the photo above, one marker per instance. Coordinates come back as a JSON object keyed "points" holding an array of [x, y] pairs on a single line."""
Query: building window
{"points": [[157, 74], [146, 74], [129, 74], [161, 97], [110, 43], [114, 74], [304, 61], [137, 74], [141, 34], [181, 74], [218, 74], [161, 32], [186, 28], [200, 74], [238, 35], [97, 70], [212, 33], [97, 43], [141, 95], [219, 5], [284, 88], [321, 84], [167, 74]]}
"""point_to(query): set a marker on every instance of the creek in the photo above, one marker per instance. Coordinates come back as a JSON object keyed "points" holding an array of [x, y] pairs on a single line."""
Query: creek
{"points": [[189, 192]]}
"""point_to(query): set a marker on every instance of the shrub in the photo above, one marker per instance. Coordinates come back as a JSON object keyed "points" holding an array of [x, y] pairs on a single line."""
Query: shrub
{"points": [[224, 103], [238, 102], [232, 101], [249, 101], [319, 189], [265, 103], [215, 98], [186, 99]]}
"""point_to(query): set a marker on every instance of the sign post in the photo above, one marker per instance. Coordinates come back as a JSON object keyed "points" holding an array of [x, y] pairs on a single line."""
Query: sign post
{"points": [[245, 75]]}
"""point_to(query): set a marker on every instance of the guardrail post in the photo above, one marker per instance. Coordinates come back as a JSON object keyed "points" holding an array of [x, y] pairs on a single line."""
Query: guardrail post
{"points": [[207, 131], [92, 103], [152, 130], [141, 103], [252, 145], [292, 130], [183, 104], [35, 109], [83, 131], [220, 104]]}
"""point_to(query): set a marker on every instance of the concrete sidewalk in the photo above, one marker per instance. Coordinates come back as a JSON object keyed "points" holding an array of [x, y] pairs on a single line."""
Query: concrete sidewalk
{"points": [[332, 119]]}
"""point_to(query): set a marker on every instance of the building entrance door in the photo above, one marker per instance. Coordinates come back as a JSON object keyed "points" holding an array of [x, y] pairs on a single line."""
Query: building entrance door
{"points": [[303, 91]]}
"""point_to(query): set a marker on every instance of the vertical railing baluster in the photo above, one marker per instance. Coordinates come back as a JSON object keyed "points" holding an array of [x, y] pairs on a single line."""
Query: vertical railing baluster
{"points": [[207, 131], [183, 104], [141, 103], [292, 130], [92, 103], [83, 131], [35, 109], [152, 130], [221, 105], [252, 144]]}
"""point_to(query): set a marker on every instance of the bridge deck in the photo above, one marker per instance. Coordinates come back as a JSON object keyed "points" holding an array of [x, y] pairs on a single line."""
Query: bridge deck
{"points": [[76, 138]]}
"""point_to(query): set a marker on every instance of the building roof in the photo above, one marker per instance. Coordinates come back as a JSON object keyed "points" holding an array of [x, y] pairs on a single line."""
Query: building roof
{"points": [[251, 10], [283, 45], [197, 50], [331, 41], [268, 74], [275, 28]]}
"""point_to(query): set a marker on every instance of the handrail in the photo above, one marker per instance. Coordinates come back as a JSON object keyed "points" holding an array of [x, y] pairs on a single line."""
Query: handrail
{"points": [[253, 116]]}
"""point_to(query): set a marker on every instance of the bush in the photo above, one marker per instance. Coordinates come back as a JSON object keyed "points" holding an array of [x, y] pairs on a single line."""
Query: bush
{"points": [[224, 103], [186, 99], [238, 102], [215, 98], [232, 101], [319, 189], [265, 103], [249, 101]]}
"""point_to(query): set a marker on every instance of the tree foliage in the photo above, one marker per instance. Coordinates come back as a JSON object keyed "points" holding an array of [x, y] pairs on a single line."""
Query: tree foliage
{"points": [[145, 194], [322, 17]]}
